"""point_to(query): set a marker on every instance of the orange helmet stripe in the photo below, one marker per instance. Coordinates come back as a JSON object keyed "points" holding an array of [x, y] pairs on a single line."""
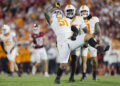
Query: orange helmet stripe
{"points": [[83, 6], [69, 6]]}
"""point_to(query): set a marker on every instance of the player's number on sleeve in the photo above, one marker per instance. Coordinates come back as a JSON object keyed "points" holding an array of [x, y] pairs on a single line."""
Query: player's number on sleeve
{"points": [[62, 22]]}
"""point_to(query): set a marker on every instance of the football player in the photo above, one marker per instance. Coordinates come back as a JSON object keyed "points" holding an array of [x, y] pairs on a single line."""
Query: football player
{"points": [[92, 23], [70, 12], [39, 52], [67, 37], [8, 39]]}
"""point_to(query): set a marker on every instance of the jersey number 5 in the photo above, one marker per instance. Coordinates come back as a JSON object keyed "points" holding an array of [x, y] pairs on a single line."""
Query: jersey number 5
{"points": [[62, 22]]}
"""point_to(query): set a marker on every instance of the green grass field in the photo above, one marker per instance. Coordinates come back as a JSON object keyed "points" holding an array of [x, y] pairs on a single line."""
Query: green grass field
{"points": [[40, 80]]}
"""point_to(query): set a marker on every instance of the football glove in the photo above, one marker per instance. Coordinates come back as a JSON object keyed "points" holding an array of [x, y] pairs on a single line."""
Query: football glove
{"points": [[73, 37], [100, 50]]}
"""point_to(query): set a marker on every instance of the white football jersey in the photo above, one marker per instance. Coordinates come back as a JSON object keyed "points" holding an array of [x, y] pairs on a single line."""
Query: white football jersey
{"points": [[62, 28], [8, 40], [91, 24], [79, 23]]}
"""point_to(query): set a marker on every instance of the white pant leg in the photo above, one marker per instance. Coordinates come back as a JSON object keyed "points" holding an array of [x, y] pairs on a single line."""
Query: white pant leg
{"points": [[76, 52], [77, 43], [63, 52], [43, 54], [35, 57], [84, 51], [11, 56], [92, 51]]}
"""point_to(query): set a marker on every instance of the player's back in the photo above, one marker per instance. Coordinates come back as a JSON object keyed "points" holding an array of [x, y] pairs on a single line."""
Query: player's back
{"points": [[62, 28]]}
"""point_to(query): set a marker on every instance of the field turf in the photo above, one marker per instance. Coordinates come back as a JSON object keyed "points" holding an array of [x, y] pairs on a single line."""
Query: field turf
{"points": [[40, 80]]}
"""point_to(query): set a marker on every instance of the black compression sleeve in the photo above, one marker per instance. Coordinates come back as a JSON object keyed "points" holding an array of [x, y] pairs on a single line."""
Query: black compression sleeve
{"points": [[2, 46], [75, 30], [92, 42]]}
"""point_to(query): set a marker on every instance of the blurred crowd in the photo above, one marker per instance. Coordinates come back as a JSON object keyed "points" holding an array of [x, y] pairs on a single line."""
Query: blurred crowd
{"points": [[22, 14]]}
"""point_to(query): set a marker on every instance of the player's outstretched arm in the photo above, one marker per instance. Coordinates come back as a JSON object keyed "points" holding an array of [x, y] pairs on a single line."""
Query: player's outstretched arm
{"points": [[48, 11]]}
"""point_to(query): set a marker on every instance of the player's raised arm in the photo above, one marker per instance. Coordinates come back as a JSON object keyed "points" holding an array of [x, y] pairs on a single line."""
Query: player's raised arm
{"points": [[2, 46], [48, 11]]}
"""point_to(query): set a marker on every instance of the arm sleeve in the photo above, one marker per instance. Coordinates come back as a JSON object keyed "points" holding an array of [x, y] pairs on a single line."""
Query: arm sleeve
{"points": [[75, 30], [2, 46]]}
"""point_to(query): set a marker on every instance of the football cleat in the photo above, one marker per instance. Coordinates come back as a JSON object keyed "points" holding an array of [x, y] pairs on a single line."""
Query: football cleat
{"points": [[11, 74], [46, 74], [57, 81], [95, 79], [71, 79], [19, 74], [83, 79]]}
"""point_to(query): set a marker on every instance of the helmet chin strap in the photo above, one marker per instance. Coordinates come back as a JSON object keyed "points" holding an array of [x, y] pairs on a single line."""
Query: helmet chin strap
{"points": [[88, 17], [6, 33], [71, 17]]}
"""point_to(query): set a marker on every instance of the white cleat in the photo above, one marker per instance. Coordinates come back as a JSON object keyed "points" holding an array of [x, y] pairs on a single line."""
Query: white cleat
{"points": [[46, 74], [34, 70]]}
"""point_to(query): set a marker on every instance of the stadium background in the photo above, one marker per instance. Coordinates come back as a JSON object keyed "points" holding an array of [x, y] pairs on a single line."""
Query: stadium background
{"points": [[22, 14]]}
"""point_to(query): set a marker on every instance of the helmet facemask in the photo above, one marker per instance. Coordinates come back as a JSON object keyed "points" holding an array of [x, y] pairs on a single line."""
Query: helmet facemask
{"points": [[36, 29], [58, 13], [70, 13], [84, 13]]}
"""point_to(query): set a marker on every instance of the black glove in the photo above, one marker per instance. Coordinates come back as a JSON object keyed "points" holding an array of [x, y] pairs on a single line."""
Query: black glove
{"points": [[107, 48], [73, 38], [85, 45], [100, 50], [98, 41]]}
